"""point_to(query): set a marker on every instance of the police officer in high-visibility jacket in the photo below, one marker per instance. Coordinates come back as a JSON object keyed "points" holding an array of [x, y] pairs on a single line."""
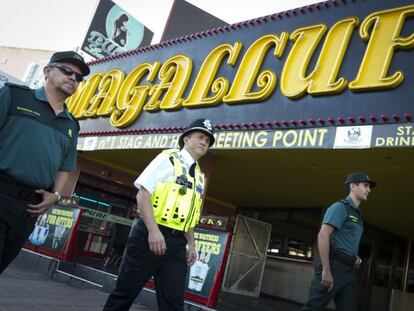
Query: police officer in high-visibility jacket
{"points": [[161, 242]]}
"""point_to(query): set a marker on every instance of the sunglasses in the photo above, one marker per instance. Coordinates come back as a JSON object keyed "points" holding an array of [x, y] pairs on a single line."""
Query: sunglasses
{"points": [[67, 71]]}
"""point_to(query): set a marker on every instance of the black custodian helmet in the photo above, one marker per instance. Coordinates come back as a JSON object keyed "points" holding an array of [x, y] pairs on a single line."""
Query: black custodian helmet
{"points": [[202, 125]]}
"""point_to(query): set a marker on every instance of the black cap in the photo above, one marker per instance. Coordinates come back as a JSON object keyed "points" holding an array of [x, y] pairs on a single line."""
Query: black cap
{"points": [[359, 177], [202, 125], [71, 57]]}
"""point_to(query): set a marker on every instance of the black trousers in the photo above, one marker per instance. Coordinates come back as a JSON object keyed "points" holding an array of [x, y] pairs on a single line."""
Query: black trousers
{"points": [[139, 264], [15, 227], [343, 293]]}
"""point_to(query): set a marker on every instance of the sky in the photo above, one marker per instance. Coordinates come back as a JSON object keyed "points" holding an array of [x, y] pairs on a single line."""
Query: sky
{"points": [[62, 24]]}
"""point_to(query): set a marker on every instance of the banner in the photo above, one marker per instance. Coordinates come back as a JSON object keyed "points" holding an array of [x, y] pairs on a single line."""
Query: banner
{"points": [[322, 138], [53, 229], [345, 137], [113, 31]]}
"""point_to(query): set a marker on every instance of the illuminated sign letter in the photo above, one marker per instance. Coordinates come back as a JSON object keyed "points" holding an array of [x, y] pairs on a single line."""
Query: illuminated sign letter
{"points": [[174, 75], [80, 101], [131, 96], [385, 38], [103, 103], [323, 79], [204, 81], [246, 75]]}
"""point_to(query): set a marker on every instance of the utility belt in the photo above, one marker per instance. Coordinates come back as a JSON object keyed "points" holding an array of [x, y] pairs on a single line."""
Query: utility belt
{"points": [[139, 225], [17, 190], [342, 257]]}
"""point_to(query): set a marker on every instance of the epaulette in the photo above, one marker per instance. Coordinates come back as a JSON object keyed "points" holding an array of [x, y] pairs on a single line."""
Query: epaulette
{"points": [[170, 151], [347, 206], [344, 201]]}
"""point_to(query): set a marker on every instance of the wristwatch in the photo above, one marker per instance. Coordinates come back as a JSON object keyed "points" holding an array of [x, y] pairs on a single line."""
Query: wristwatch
{"points": [[59, 196]]}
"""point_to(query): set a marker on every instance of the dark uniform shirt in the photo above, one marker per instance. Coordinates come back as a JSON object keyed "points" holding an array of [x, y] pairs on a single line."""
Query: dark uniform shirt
{"points": [[34, 142], [348, 225]]}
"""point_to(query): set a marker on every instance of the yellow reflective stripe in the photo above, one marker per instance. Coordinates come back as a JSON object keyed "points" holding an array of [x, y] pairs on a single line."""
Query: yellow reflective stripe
{"points": [[193, 207]]}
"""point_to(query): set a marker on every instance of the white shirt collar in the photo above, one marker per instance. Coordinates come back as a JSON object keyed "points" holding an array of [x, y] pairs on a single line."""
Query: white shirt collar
{"points": [[186, 157]]}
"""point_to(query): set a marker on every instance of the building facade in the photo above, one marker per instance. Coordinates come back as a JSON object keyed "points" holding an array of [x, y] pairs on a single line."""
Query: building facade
{"points": [[298, 99]]}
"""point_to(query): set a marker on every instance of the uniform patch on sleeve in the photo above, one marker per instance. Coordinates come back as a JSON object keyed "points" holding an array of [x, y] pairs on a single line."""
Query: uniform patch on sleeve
{"points": [[354, 218]]}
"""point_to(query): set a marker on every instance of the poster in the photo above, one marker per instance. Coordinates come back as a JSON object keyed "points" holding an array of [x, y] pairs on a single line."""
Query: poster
{"points": [[210, 247], [53, 229], [113, 31]]}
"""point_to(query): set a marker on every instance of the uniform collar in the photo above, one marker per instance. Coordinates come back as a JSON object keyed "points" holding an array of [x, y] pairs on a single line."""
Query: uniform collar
{"points": [[186, 157], [40, 94], [349, 199]]}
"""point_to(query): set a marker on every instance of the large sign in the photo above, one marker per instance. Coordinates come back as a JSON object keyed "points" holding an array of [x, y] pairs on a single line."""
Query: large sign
{"points": [[335, 63], [114, 31]]}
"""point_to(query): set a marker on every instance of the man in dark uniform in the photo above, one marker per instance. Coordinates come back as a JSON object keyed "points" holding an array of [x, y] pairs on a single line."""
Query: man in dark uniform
{"points": [[161, 243], [338, 243], [38, 138]]}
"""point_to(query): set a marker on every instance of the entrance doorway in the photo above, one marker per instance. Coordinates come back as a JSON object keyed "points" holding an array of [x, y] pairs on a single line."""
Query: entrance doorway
{"points": [[383, 257]]}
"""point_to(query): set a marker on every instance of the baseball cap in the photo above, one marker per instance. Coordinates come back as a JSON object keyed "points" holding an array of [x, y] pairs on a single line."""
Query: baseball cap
{"points": [[71, 57], [359, 177]]}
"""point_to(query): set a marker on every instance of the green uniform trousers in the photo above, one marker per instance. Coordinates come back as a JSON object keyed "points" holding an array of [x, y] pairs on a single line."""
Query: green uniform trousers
{"points": [[343, 293]]}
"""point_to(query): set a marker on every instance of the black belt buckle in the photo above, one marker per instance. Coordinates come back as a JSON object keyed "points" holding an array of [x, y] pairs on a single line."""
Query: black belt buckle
{"points": [[176, 232], [171, 231]]}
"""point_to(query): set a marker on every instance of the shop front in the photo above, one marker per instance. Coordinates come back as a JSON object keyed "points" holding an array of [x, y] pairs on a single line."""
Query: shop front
{"points": [[298, 99]]}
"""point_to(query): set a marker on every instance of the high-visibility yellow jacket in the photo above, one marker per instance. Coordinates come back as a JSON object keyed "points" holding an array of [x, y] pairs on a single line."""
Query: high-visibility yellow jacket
{"points": [[177, 204]]}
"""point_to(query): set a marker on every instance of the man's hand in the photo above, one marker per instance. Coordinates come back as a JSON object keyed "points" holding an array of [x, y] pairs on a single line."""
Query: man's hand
{"points": [[156, 242], [191, 255], [327, 279], [49, 199], [358, 262]]}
